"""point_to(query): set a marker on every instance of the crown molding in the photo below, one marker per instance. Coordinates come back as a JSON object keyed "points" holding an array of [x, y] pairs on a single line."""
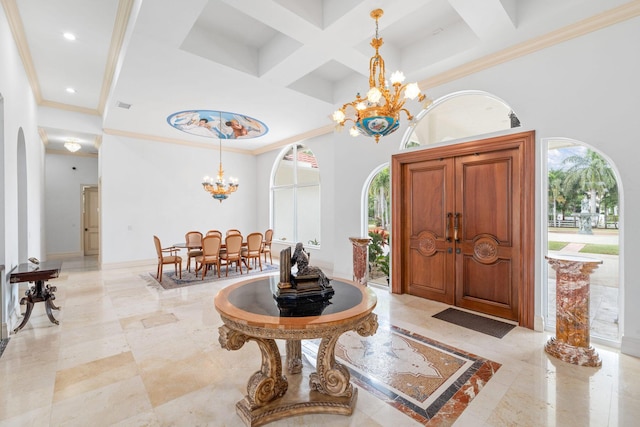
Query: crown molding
{"points": [[69, 107], [43, 136], [148, 137], [69, 153], [117, 39], [296, 138], [611, 17], [19, 37], [605, 19]]}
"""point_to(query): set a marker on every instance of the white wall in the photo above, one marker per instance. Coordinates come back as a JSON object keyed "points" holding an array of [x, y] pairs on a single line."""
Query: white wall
{"points": [[19, 113], [153, 188], [63, 200], [585, 89]]}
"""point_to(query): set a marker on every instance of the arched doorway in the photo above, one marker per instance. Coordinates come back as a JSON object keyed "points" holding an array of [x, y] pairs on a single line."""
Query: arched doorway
{"points": [[376, 220], [584, 218]]}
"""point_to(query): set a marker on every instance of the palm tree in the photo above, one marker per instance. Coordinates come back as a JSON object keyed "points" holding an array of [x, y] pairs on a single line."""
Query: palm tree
{"points": [[590, 173], [555, 187], [379, 191]]}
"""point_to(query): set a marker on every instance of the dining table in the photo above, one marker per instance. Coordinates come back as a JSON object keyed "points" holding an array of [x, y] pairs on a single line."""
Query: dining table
{"points": [[223, 248]]}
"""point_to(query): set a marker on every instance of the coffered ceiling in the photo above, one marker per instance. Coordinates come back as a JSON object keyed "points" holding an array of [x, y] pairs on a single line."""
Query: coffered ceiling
{"points": [[287, 63]]}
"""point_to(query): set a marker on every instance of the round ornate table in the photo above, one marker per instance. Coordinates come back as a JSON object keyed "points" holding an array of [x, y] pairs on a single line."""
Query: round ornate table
{"points": [[250, 312]]}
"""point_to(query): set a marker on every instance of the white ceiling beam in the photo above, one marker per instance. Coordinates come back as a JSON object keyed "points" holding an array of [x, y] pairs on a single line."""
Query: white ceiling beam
{"points": [[487, 18]]}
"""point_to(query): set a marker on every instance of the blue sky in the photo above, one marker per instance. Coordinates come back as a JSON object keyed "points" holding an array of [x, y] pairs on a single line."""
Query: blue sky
{"points": [[557, 155]]}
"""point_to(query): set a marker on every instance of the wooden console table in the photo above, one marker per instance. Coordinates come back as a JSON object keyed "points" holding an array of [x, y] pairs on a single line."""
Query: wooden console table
{"points": [[39, 292], [572, 340], [250, 312]]}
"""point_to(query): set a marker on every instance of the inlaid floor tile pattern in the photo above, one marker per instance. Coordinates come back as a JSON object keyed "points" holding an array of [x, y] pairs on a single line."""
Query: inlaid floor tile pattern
{"points": [[424, 379], [129, 354]]}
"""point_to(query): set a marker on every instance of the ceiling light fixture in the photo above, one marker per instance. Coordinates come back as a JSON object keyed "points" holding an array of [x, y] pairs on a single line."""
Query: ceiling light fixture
{"points": [[69, 36], [219, 189], [72, 145], [379, 113], [70, 90]]}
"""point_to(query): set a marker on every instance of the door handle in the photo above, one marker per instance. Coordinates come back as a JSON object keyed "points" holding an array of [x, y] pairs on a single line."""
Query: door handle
{"points": [[456, 225], [446, 233]]}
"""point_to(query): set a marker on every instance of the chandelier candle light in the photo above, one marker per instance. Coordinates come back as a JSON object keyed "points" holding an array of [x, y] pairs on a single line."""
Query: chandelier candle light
{"points": [[219, 189], [379, 113]]}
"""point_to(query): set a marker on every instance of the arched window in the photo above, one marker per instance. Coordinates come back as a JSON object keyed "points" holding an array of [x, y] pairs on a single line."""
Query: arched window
{"points": [[295, 196], [460, 115]]}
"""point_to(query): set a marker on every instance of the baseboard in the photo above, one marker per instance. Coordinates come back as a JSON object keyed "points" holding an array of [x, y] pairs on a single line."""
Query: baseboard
{"points": [[630, 346], [538, 323], [64, 255], [129, 264]]}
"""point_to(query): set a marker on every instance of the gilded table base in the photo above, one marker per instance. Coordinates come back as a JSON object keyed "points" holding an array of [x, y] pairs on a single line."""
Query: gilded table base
{"points": [[272, 396]]}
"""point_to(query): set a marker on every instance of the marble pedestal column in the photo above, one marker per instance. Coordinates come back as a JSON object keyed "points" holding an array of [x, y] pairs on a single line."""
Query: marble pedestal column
{"points": [[360, 259], [572, 341]]}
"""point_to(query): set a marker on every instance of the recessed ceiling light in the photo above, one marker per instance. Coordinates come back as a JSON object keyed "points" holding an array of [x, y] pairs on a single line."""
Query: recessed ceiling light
{"points": [[69, 36], [71, 90], [72, 145]]}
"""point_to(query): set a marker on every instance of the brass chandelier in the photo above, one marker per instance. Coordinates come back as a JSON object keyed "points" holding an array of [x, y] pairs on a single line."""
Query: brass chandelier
{"points": [[220, 189], [379, 113]]}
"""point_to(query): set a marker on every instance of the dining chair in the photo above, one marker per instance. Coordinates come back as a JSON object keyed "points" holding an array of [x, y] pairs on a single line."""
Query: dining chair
{"points": [[233, 252], [266, 245], [253, 250], [215, 233], [210, 255], [193, 240], [233, 231], [171, 257]]}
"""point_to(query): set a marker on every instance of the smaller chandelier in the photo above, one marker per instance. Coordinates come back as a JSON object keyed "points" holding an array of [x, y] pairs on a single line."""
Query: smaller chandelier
{"points": [[379, 113], [219, 188], [72, 145]]}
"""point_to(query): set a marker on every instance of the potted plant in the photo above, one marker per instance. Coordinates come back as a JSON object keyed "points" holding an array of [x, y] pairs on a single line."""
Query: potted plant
{"points": [[383, 264]]}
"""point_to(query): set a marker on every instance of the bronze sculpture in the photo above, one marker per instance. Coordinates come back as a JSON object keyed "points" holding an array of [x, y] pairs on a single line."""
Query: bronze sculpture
{"points": [[308, 291]]}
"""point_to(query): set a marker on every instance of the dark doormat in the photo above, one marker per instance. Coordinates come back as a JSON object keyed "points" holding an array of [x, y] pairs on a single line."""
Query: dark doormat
{"points": [[3, 345], [488, 326]]}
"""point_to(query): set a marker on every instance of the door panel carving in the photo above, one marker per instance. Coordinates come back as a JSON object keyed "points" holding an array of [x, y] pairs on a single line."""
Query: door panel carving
{"points": [[464, 221]]}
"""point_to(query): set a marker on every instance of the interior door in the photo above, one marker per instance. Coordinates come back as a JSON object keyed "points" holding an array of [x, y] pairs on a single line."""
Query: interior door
{"points": [[487, 235], [91, 234]]}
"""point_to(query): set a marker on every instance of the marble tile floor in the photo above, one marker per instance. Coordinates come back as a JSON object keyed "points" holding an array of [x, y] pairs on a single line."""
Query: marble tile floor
{"points": [[127, 354]]}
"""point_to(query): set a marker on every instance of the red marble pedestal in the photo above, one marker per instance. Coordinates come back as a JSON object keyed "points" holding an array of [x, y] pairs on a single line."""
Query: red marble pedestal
{"points": [[571, 343], [360, 259]]}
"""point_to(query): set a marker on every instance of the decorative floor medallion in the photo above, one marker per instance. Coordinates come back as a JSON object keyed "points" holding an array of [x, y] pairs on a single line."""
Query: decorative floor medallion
{"points": [[427, 380]]}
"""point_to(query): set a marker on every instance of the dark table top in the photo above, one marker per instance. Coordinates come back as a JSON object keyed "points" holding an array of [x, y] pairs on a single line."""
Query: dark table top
{"points": [[253, 302], [28, 272]]}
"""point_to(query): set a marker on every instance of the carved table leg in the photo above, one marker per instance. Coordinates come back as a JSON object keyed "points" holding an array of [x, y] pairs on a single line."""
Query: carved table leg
{"points": [[266, 384], [49, 290], [47, 307], [25, 300], [331, 377], [294, 356]]}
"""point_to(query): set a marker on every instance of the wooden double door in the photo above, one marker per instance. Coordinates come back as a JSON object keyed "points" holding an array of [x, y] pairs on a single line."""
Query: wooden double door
{"points": [[463, 215]]}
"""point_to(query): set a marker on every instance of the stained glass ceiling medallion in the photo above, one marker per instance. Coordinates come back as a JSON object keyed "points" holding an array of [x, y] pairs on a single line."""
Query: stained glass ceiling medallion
{"points": [[217, 124]]}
